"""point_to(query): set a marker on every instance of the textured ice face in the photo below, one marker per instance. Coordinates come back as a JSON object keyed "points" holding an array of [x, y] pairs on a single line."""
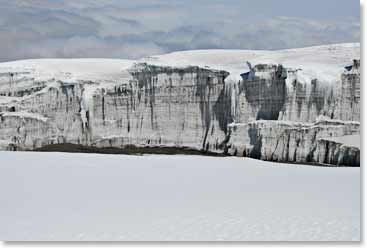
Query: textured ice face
{"points": [[155, 105], [183, 99], [285, 141]]}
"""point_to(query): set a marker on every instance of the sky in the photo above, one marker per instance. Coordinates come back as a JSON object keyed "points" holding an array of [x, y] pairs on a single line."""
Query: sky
{"points": [[134, 29]]}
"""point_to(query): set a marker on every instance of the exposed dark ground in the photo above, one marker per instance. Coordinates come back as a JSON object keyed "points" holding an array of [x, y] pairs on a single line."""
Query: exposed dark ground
{"points": [[128, 150], [135, 150]]}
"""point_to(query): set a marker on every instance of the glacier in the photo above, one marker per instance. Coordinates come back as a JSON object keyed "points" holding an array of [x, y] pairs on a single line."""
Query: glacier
{"points": [[292, 105]]}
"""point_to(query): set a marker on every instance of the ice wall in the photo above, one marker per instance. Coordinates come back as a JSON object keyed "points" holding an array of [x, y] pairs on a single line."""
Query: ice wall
{"points": [[157, 106], [272, 92], [288, 141], [284, 107], [163, 106], [288, 108]]}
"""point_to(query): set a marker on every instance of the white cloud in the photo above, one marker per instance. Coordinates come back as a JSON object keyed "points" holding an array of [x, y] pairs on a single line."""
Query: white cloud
{"points": [[79, 47], [125, 29]]}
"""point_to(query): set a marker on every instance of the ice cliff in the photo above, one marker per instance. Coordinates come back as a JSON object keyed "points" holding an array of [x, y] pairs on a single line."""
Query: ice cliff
{"points": [[271, 105]]}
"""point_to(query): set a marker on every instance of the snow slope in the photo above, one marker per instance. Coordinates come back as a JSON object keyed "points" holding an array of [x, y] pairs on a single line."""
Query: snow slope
{"points": [[55, 196], [71, 69], [327, 61], [311, 60]]}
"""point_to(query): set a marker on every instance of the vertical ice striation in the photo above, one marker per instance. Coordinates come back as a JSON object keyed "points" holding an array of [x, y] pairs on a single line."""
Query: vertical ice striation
{"points": [[271, 105], [282, 116]]}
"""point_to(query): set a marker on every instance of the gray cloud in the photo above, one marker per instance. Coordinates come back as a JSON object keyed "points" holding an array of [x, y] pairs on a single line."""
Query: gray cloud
{"points": [[125, 29]]}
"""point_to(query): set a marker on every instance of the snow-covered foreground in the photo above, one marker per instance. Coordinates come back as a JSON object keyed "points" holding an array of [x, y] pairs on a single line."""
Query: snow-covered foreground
{"points": [[55, 196]]}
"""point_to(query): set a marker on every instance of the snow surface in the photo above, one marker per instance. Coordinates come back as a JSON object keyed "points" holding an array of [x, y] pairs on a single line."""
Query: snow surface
{"points": [[56, 196], [70, 70], [325, 62]]}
